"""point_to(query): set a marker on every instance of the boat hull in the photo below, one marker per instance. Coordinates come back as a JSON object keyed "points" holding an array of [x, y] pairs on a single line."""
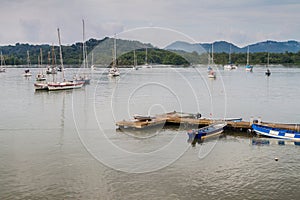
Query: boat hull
{"points": [[207, 131], [64, 85], [41, 86], [276, 132]]}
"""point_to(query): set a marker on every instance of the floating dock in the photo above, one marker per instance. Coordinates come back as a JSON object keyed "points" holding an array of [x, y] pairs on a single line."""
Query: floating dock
{"points": [[187, 119]]}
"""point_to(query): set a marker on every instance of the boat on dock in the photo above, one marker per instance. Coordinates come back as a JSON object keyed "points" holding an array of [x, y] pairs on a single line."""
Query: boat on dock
{"points": [[207, 131], [276, 132], [143, 118]]}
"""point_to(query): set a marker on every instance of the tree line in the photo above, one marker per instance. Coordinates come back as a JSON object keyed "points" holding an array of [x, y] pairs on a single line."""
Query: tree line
{"points": [[72, 54]]}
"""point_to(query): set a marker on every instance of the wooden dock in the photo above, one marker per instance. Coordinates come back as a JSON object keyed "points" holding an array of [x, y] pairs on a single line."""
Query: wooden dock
{"points": [[178, 118]]}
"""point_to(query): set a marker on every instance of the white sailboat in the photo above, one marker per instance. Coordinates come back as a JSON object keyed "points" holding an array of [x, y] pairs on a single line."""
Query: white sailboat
{"points": [[134, 61], [92, 65], [248, 67], [63, 85], [27, 71], [114, 71], [211, 72], [268, 72], [230, 65], [2, 68], [41, 76], [146, 65], [83, 77]]}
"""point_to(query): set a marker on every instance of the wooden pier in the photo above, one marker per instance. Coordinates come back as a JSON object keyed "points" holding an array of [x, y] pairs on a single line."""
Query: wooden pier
{"points": [[178, 118]]}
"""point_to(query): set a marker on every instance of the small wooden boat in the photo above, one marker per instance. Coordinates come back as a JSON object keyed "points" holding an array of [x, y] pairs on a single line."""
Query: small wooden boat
{"points": [[276, 132], [143, 118], [228, 119], [207, 131]]}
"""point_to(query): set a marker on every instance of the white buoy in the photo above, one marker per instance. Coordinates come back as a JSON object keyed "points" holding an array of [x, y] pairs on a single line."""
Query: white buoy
{"points": [[276, 159]]}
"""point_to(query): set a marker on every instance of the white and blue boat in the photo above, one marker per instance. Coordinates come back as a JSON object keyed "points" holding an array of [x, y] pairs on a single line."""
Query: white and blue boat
{"points": [[207, 131], [248, 67], [276, 132]]}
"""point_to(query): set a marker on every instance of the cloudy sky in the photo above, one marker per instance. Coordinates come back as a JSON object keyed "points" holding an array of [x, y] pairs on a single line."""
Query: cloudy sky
{"points": [[159, 22]]}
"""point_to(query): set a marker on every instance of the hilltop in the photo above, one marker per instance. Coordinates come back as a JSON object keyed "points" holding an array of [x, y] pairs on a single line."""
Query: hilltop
{"points": [[223, 46]]}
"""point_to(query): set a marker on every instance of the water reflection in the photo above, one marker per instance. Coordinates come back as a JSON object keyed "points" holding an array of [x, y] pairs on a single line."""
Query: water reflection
{"points": [[268, 142]]}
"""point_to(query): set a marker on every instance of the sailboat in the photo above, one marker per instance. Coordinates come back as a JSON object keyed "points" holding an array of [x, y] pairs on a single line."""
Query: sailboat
{"points": [[40, 76], [63, 85], [146, 65], [248, 67], [230, 65], [27, 71], [268, 72], [134, 61], [210, 71], [2, 69], [92, 65], [51, 69], [83, 77], [114, 71]]}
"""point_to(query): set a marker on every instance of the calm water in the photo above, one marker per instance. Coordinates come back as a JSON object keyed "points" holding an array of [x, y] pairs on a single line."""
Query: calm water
{"points": [[64, 145]]}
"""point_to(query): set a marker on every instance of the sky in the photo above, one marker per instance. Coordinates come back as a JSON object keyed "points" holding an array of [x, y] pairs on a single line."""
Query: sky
{"points": [[159, 22]]}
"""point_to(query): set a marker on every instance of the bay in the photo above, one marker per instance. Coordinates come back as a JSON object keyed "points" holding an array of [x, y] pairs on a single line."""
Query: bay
{"points": [[64, 145]]}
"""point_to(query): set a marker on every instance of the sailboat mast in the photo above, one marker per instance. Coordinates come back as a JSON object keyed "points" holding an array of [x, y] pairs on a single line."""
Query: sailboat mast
{"points": [[83, 45], [229, 59], [28, 59], [248, 56], [208, 57], [146, 57], [115, 51], [92, 58], [60, 54], [134, 59], [268, 62], [212, 53], [53, 61], [41, 55]]}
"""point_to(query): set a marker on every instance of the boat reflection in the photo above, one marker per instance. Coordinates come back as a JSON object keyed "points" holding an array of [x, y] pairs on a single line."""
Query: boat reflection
{"points": [[194, 140], [142, 133], [269, 141]]}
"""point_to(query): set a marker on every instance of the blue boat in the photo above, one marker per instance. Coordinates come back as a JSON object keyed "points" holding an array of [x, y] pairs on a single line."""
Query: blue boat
{"points": [[207, 131], [248, 67], [276, 132]]}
